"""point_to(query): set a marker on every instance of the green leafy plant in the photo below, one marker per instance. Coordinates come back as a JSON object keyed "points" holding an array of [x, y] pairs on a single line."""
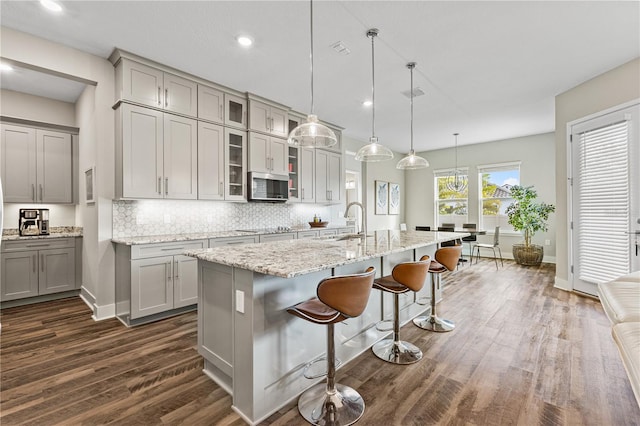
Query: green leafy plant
{"points": [[525, 214]]}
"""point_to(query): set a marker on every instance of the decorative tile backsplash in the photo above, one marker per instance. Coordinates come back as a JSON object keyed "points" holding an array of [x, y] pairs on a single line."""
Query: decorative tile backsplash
{"points": [[160, 217]]}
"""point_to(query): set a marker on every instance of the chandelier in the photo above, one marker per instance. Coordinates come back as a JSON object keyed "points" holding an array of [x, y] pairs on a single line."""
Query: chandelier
{"points": [[457, 180]]}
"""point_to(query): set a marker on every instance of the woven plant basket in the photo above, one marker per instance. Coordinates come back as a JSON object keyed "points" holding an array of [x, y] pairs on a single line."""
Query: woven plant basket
{"points": [[528, 256]]}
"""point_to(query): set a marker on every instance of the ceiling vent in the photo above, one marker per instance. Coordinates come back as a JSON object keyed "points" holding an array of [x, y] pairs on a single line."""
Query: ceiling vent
{"points": [[339, 47], [416, 92]]}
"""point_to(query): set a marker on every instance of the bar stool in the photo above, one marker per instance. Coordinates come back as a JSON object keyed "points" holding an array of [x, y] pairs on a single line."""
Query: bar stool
{"points": [[404, 277], [339, 298], [446, 260]]}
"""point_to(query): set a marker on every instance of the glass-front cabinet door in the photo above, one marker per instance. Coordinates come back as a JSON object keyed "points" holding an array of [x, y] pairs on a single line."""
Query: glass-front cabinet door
{"points": [[294, 167], [235, 164], [235, 111]]}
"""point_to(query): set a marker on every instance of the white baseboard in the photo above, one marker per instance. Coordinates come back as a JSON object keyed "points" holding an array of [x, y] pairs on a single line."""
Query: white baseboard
{"points": [[562, 284], [99, 312]]}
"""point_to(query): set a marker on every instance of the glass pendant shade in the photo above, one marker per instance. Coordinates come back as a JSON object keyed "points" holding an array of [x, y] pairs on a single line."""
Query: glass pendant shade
{"points": [[312, 134], [412, 161], [373, 151]]}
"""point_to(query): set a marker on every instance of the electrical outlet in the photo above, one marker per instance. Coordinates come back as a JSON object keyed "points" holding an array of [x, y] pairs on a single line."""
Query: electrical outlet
{"points": [[167, 218], [240, 301], [547, 242]]}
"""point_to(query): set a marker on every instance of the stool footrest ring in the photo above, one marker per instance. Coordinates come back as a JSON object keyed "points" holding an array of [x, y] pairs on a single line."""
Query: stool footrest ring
{"points": [[310, 373]]}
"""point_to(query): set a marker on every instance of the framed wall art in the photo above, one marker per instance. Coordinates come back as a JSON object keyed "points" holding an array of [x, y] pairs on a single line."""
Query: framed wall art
{"points": [[394, 198], [382, 197]]}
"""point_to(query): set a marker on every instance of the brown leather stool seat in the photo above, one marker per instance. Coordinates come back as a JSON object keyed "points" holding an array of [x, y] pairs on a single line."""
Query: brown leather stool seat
{"points": [[407, 276], [338, 298], [446, 260]]}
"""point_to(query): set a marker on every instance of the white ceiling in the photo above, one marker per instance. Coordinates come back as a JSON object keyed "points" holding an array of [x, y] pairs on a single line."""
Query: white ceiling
{"points": [[490, 70]]}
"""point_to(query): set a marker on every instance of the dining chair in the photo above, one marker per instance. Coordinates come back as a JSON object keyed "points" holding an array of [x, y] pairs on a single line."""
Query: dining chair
{"points": [[494, 246], [471, 238]]}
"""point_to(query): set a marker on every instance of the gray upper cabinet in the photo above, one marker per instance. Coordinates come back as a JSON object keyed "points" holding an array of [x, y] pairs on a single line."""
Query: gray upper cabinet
{"points": [[150, 86], [307, 175], [156, 154], [210, 161], [268, 154], [267, 118], [235, 111], [37, 165], [210, 104], [328, 177]]}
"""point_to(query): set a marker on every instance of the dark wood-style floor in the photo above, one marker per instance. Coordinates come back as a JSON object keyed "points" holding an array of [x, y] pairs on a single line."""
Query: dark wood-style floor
{"points": [[522, 353]]}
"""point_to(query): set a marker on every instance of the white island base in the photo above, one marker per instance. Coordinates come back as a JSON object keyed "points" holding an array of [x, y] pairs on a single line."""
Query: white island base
{"points": [[257, 352]]}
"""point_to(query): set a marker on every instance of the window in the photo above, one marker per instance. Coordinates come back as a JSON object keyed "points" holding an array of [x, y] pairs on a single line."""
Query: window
{"points": [[495, 183], [451, 205]]}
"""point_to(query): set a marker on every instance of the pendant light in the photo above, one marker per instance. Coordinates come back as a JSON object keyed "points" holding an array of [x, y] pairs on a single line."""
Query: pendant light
{"points": [[312, 133], [457, 182], [373, 151], [412, 161]]}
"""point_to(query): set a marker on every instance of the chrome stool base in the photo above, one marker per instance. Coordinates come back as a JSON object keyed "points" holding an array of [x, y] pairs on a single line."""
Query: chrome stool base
{"points": [[399, 352], [343, 407], [434, 324], [384, 325]]}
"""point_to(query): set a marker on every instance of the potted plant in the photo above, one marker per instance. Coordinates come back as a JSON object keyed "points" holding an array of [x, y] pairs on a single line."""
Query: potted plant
{"points": [[528, 215]]}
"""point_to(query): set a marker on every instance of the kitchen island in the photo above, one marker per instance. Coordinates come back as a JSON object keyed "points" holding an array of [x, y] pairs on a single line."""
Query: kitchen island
{"points": [[253, 348]]}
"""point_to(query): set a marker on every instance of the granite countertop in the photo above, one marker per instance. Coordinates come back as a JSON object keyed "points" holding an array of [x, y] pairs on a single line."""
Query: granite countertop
{"points": [[12, 234], [291, 258], [169, 238]]}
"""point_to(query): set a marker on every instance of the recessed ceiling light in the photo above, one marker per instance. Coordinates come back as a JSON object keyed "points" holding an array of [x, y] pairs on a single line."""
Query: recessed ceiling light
{"points": [[51, 5], [244, 41], [367, 103], [5, 67]]}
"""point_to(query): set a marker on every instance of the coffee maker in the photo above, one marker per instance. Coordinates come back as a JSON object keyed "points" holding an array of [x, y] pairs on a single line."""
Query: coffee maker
{"points": [[33, 222]]}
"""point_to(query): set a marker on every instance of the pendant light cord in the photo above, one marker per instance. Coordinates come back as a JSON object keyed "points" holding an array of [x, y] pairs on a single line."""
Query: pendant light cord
{"points": [[373, 34], [311, 52], [411, 66], [456, 170]]}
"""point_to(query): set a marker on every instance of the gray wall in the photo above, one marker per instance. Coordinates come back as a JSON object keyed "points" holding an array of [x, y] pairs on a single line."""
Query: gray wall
{"points": [[537, 168], [610, 89]]}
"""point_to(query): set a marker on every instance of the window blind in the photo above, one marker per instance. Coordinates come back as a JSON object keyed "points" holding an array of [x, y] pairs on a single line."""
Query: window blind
{"points": [[603, 203]]}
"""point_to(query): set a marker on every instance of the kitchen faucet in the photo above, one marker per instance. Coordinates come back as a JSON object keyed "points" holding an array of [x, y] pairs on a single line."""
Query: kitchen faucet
{"points": [[364, 217]]}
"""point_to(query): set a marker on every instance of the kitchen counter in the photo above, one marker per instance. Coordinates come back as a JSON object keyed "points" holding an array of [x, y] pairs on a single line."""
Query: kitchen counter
{"points": [[288, 259], [257, 351], [56, 232], [168, 238]]}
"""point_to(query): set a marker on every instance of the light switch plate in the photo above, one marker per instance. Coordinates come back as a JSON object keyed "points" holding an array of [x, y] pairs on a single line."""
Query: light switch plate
{"points": [[240, 301]]}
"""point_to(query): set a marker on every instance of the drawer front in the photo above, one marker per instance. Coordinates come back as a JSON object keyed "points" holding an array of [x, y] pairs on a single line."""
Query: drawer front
{"points": [[37, 244], [143, 251], [277, 237], [349, 230], [324, 232], [227, 241], [307, 234]]}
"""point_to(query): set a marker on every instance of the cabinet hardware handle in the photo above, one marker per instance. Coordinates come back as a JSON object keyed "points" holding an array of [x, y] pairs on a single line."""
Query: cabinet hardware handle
{"points": [[221, 112], [177, 270], [159, 185], [166, 186], [42, 262], [272, 124], [266, 123], [33, 192], [169, 268], [159, 96], [166, 97], [34, 263], [41, 199], [221, 188], [302, 193], [37, 245]]}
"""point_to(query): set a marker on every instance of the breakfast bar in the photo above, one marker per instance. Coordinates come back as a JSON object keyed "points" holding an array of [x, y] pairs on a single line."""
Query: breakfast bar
{"points": [[253, 348]]}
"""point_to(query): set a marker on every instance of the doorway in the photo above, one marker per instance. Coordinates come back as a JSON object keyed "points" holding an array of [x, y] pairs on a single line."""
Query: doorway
{"points": [[605, 197]]}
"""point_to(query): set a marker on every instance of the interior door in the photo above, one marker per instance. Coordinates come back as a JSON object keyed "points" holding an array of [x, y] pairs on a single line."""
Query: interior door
{"points": [[605, 192]]}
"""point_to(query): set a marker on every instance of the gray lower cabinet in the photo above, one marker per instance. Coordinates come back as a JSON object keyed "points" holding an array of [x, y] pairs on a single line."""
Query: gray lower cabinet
{"points": [[228, 241], [37, 267], [155, 279]]}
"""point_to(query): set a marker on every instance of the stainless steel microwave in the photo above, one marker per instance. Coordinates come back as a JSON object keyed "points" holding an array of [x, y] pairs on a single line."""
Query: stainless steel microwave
{"points": [[268, 187]]}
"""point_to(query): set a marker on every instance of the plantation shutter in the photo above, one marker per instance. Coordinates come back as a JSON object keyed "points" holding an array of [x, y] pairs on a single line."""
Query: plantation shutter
{"points": [[603, 203]]}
